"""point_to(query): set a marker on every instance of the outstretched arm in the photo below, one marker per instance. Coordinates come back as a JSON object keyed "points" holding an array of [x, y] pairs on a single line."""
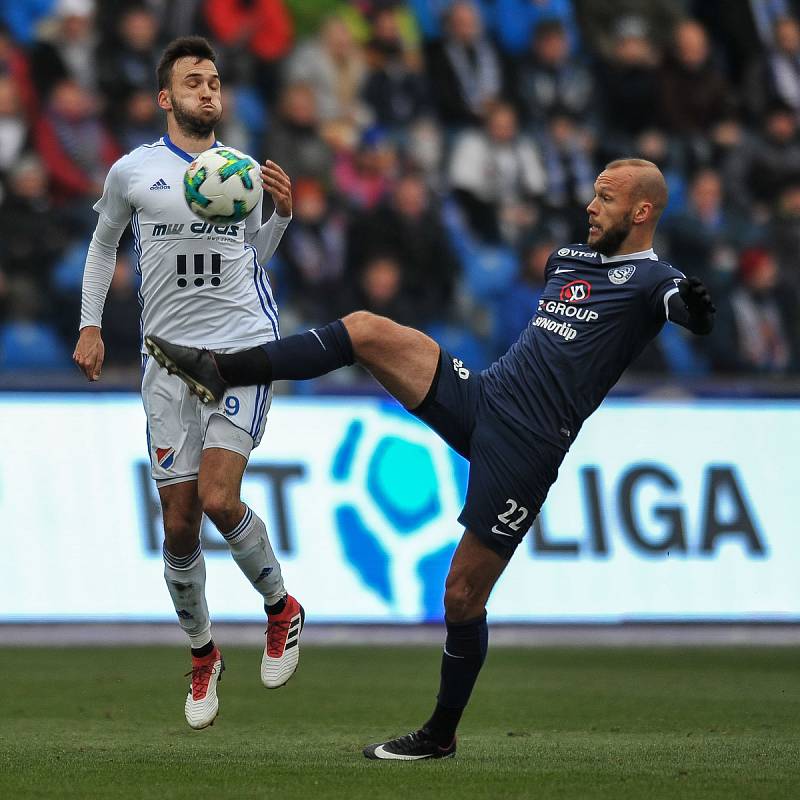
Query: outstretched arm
{"points": [[691, 307]]}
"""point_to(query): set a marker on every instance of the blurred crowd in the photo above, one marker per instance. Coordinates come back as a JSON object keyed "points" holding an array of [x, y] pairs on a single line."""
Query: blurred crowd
{"points": [[439, 151]]}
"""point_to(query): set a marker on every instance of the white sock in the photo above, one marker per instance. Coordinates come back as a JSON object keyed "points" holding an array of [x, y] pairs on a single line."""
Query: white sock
{"points": [[186, 582], [253, 553]]}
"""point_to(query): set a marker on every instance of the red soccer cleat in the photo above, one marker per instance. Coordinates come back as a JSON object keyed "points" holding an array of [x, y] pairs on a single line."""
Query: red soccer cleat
{"points": [[202, 705], [282, 650]]}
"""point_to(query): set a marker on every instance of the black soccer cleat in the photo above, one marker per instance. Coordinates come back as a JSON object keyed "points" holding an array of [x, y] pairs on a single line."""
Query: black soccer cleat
{"points": [[195, 367], [413, 746]]}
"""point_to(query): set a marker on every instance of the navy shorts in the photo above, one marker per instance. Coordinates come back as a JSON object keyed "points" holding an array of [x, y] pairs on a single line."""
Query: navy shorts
{"points": [[511, 470]]}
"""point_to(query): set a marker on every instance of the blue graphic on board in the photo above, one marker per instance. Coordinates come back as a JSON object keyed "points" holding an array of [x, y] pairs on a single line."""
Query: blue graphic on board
{"points": [[394, 531]]}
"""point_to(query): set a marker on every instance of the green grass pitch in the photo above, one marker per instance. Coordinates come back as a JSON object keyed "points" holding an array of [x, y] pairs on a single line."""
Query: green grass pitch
{"points": [[544, 723]]}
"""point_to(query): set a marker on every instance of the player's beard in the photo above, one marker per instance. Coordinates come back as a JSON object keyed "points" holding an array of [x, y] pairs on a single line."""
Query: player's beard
{"points": [[611, 238], [193, 125]]}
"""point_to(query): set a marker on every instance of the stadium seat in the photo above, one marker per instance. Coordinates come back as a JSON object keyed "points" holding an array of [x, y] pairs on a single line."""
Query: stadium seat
{"points": [[460, 343], [488, 270], [677, 349], [68, 270], [27, 345]]}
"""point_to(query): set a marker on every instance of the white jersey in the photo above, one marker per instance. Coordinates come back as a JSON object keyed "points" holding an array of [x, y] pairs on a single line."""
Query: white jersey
{"points": [[202, 284]]}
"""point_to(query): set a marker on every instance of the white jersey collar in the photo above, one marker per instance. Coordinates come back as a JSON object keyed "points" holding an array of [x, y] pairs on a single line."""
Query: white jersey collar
{"points": [[651, 254]]}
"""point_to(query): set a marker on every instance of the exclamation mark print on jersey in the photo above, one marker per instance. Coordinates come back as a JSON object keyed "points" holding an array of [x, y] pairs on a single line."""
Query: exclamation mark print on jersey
{"points": [[198, 268], [182, 271], [216, 261]]}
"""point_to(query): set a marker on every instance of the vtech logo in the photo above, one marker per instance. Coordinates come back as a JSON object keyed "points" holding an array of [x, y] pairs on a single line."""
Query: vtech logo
{"points": [[575, 291]]}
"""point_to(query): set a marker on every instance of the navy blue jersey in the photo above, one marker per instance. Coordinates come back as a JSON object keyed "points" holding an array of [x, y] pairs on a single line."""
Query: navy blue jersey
{"points": [[595, 315]]}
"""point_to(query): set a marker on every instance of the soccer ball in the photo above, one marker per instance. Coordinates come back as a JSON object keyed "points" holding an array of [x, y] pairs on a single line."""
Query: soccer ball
{"points": [[222, 185]]}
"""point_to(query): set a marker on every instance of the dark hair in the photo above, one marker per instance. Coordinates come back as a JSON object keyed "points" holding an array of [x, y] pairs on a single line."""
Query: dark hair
{"points": [[196, 46], [549, 27]]}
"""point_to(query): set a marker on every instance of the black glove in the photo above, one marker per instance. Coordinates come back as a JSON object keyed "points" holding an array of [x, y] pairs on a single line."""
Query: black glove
{"points": [[696, 297]]}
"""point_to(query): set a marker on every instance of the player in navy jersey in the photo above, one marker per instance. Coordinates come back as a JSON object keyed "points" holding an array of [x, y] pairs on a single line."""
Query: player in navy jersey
{"points": [[603, 301]]}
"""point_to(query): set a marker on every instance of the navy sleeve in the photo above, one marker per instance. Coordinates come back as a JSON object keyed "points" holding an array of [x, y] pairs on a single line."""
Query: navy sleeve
{"points": [[662, 284]]}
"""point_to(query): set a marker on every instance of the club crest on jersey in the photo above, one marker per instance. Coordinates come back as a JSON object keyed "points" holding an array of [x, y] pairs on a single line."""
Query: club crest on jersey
{"points": [[575, 291], [620, 275], [165, 456]]}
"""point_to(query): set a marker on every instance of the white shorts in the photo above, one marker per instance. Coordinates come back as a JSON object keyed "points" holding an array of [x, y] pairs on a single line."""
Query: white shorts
{"points": [[180, 427]]}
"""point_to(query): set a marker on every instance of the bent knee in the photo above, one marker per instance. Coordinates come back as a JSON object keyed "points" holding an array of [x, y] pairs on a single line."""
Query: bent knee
{"points": [[462, 601], [366, 329], [181, 533], [221, 506]]}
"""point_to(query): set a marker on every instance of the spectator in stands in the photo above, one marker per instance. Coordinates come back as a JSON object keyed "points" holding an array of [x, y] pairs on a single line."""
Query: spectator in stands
{"points": [[548, 80], [33, 230], [293, 139], [129, 63], [28, 340], [357, 105], [14, 64], [75, 146], [775, 75], [431, 15], [333, 65], [176, 17], [408, 225], [741, 30], [121, 317], [423, 150], [760, 316], [629, 83], [464, 69], [695, 95], [567, 155], [600, 21], [379, 289], [365, 175], [516, 21], [260, 29], [497, 177], [765, 163], [313, 248], [67, 48], [139, 121], [654, 145], [395, 86], [515, 309], [784, 233], [22, 17], [13, 125], [706, 235]]}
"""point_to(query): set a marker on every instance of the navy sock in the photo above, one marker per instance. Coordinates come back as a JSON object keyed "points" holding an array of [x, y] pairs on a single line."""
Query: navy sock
{"points": [[464, 653], [245, 368], [295, 358]]}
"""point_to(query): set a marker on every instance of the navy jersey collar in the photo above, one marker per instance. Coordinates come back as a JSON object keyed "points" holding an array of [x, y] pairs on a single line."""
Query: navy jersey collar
{"points": [[629, 257], [182, 153]]}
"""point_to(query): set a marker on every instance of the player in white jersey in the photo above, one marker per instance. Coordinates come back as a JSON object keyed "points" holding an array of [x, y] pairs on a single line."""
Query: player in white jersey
{"points": [[203, 285]]}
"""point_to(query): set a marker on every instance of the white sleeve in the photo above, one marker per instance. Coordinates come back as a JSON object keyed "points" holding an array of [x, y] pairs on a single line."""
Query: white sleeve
{"points": [[265, 238], [114, 205], [101, 258]]}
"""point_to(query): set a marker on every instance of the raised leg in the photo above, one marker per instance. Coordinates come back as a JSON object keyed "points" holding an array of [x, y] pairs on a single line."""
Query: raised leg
{"points": [[403, 360]]}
